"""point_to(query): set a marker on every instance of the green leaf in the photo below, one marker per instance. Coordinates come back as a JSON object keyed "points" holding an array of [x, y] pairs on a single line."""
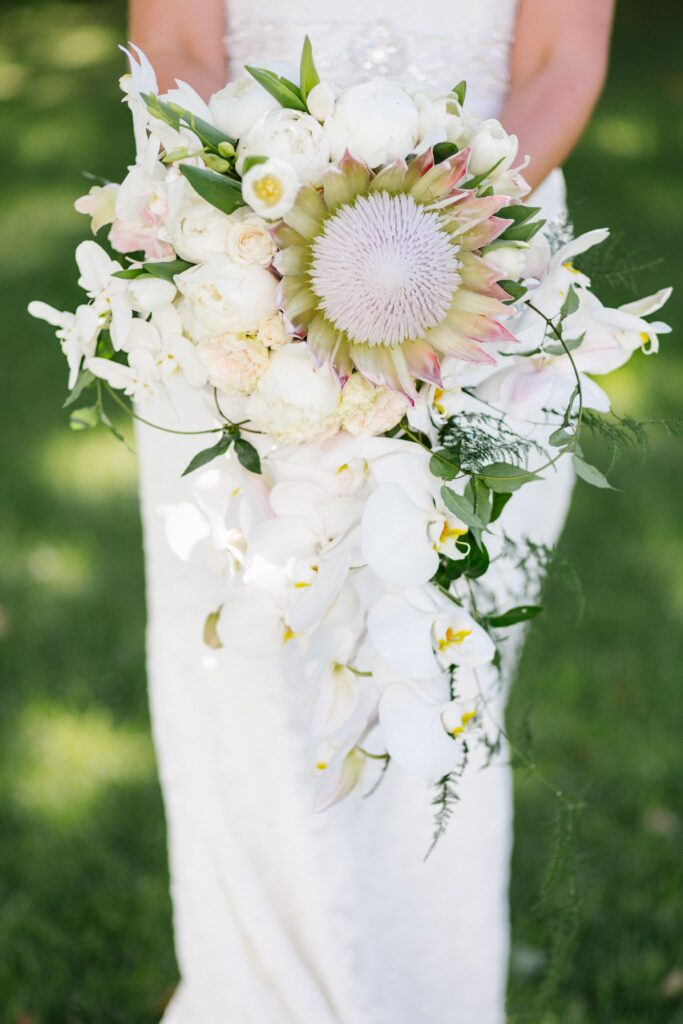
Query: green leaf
{"points": [[286, 93], [162, 111], [503, 476], [568, 345], [308, 76], [130, 274], [477, 561], [85, 418], [462, 507], [247, 455], [221, 192], [479, 178], [205, 132], [85, 379], [500, 500], [443, 464], [561, 437], [167, 270], [522, 613], [520, 232], [209, 454], [460, 92], [519, 213], [514, 289], [252, 161], [443, 151], [570, 304], [590, 474]]}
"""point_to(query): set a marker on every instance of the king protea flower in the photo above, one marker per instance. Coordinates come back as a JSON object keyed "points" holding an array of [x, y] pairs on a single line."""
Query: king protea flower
{"points": [[384, 273]]}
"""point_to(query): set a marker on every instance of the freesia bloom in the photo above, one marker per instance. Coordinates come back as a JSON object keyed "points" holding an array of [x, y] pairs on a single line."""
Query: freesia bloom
{"points": [[382, 273], [270, 188]]}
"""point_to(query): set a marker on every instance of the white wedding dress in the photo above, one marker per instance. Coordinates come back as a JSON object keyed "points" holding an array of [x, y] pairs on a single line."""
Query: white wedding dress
{"points": [[282, 916]]}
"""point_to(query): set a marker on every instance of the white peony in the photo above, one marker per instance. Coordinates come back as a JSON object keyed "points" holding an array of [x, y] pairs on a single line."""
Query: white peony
{"points": [[234, 362], [370, 410], [492, 145], [239, 105], [249, 240], [272, 331], [295, 401], [376, 121], [270, 188], [220, 296], [291, 136], [199, 231]]}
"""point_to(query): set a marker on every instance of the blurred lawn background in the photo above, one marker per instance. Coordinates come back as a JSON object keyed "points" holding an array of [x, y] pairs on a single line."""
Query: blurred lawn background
{"points": [[85, 925]]}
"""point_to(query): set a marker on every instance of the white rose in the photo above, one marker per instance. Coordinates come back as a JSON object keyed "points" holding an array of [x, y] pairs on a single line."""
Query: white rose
{"points": [[239, 105], [291, 136], [272, 331], [148, 294], [270, 188], [509, 260], [249, 240], [376, 121], [370, 410], [220, 296], [295, 401], [320, 101], [492, 145], [234, 363], [199, 231]]}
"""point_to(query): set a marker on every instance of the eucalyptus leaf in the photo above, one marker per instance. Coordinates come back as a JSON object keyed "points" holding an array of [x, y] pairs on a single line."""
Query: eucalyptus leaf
{"points": [[209, 454], [522, 613], [568, 345], [561, 437], [462, 507], [286, 93], [247, 455], [503, 476], [443, 464], [590, 474], [85, 418], [570, 304], [223, 193], [308, 76]]}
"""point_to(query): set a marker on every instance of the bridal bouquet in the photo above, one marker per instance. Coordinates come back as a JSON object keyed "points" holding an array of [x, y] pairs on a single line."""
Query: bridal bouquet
{"points": [[390, 344]]}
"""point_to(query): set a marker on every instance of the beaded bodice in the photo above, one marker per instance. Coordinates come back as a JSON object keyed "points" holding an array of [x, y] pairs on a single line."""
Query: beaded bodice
{"points": [[435, 42]]}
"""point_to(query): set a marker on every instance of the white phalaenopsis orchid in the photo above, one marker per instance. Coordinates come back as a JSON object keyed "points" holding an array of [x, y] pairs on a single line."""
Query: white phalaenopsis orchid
{"points": [[425, 738]]}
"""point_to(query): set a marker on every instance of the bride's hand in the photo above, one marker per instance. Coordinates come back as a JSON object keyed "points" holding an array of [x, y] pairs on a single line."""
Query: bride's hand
{"points": [[179, 45], [558, 67]]}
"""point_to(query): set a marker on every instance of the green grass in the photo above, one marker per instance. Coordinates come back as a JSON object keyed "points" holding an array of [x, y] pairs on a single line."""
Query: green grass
{"points": [[85, 927]]}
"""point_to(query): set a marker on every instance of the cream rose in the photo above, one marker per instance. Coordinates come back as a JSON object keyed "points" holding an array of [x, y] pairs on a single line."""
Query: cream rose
{"points": [[199, 231], [295, 401], [272, 331], [249, 241], [291, 136], [376, 121], [370, 410], [234, 362]]}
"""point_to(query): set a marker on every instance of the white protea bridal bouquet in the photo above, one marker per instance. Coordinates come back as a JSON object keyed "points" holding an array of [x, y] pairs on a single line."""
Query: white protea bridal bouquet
{"points": [[390, 344]]}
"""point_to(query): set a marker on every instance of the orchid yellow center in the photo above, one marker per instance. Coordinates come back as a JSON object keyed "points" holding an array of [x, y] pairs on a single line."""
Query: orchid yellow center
{"points": [[321, 765], [453, 636], [287, 635], [449, 532], [268, 189], [464, 722]]}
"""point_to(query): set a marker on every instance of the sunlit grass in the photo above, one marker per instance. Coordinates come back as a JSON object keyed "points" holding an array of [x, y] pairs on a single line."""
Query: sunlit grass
{"points": [[82, 46], [619, 135], [89, 465], [64, 760]]}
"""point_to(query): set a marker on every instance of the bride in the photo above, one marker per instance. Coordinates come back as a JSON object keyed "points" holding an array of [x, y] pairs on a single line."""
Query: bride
{"points": [[283, 916]]}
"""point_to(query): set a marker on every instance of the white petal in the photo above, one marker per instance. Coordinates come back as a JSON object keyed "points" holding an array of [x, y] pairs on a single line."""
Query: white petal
{"points": [[337, 700], [650, 304], [313, 602], [402, 635], [415, 735], [338, 780], [394, 538]]}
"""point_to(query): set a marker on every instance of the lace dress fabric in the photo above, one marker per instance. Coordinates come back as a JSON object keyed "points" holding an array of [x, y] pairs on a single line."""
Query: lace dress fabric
{"points": [[282, 916]]}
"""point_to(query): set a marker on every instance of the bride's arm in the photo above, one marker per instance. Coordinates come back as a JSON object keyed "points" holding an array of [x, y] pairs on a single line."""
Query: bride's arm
{"points": [[558, 67], [180, 43]]}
